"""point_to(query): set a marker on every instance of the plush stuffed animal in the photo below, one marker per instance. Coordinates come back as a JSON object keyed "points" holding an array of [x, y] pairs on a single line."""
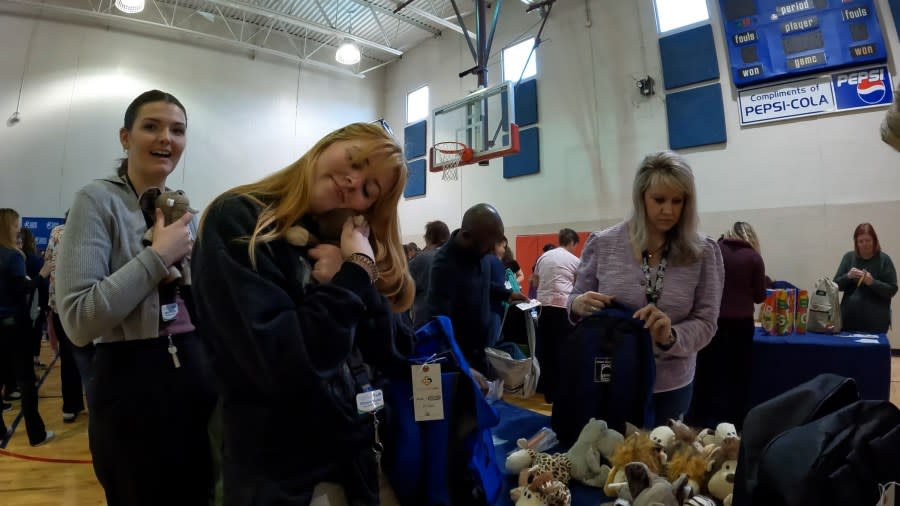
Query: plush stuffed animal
{"points": [[173, 204], [721, 483], [596, 440], [686, 459], [637, 447], [663, 437], [330, 226], [582, 462], [685, 433], [723, 431], [645, 488], [538, 488]]}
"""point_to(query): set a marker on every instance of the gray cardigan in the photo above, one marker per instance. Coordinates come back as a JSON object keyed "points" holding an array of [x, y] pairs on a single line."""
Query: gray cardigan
{"points": [[106, 279]]}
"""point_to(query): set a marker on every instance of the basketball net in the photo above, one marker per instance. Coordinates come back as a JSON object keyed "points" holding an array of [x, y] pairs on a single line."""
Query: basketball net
{"points": [[449, 155]]}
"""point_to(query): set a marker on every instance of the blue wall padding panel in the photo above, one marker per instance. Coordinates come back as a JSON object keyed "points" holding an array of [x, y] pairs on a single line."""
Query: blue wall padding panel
{"points": [[696, 117], [526, 103], [528, 159], [415, 140], [895, 11], [415, 182], [688, 57]]}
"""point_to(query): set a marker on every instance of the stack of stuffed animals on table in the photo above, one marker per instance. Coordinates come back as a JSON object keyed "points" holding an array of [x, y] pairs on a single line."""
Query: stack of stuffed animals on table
{"points": [[672, 465]]}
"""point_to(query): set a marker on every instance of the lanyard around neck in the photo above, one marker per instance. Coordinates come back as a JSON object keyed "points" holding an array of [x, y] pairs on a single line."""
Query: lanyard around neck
{"points": [[654, 288]]}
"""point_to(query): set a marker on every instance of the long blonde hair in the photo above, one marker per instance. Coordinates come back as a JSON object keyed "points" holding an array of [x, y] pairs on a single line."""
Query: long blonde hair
{"points": [[669, 169], [285, 197], [7, 218], [743, 231]]}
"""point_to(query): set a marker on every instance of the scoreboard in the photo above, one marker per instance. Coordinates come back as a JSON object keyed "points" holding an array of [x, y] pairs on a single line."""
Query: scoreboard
{"points": [[777, 39]]}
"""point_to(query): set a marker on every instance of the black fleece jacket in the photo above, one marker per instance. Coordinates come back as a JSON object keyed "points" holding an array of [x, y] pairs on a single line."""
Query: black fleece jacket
{"points": [[281, 346]]}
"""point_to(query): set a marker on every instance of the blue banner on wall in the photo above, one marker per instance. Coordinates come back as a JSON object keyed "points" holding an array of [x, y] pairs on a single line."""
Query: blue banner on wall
{"points": [[41, 228], [776, 39]]}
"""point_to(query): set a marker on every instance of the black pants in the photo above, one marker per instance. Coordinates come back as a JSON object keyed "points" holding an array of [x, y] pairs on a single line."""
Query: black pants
{"points": [[7, 373], [148, 423], [36, 333], [721, 382], [72, 389], [15, 339], [553, 329]]}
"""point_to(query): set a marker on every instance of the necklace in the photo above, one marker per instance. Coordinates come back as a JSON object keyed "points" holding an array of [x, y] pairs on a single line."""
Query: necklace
{"points": [[655, 251], [654, 287]]}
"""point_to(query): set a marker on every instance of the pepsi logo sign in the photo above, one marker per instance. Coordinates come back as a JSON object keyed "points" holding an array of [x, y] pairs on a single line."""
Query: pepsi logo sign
{"points": [[871, 92], [869, 84]]}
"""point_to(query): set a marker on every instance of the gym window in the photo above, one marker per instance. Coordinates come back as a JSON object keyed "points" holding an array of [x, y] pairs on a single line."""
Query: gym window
{"points": [[515, 58], [675, 14], [417, 105]]}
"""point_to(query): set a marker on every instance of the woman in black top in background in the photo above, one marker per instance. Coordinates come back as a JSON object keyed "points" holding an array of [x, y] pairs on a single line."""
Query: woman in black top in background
{"points": [[13, 322]]}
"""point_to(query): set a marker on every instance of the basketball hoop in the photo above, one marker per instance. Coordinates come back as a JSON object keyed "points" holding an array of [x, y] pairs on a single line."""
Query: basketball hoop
{"points": [[448, 156]]}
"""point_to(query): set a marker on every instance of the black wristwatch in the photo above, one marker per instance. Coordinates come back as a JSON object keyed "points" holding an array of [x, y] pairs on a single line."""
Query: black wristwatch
{"points": [[673, 336]]}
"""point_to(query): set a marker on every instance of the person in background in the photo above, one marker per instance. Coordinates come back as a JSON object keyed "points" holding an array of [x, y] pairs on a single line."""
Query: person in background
{"points": [[498, 305], [37, 298], [868, 279], [554, 277], [509, 260], [411, 250], [297, 332], [436, 234], [14, 322], [460, 286], [74, 370], [152, 390], [658, 263], [532, 284], [724, 366]]}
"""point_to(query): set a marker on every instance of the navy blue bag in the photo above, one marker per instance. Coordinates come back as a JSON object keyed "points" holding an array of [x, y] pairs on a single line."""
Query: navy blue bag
{"points": [[607, 371], [444, 462]]}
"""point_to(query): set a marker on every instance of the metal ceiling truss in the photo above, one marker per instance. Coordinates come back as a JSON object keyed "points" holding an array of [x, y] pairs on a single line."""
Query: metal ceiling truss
{"points": [[295, 30]]}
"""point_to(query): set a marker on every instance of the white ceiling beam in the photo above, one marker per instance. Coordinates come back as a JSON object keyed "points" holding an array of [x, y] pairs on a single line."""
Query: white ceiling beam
{"points": [[295, 21], [127, 22], [405, 19], [438, 20]]}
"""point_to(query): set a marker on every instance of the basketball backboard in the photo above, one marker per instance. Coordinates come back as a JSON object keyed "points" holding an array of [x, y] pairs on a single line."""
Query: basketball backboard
{"points": [[484, 122]]}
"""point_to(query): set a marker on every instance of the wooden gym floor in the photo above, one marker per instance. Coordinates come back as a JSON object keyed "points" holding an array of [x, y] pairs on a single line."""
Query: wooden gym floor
{"points": [[60, 474]]}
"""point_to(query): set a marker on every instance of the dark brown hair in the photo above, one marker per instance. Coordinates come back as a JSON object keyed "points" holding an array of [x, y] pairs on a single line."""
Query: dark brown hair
{"points": [[134, 108], [568, 236]]}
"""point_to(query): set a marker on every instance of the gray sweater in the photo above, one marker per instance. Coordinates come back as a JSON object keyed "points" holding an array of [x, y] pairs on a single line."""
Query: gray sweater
{"points": [[867, 308], [106, 279], [690, 296]]}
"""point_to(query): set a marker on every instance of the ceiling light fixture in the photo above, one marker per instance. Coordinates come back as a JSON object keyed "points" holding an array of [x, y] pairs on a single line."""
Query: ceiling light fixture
{"points": [[130, 6], [347, 53]]}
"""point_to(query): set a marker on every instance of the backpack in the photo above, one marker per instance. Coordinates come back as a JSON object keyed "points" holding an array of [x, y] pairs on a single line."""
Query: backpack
{"points": [[520, 375], [449, 462], [824, 308], [818, 444], [608, 375]]}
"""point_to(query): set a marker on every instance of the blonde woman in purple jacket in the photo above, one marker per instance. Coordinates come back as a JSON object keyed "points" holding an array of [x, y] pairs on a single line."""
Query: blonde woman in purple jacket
{"points": [[657, 263]]}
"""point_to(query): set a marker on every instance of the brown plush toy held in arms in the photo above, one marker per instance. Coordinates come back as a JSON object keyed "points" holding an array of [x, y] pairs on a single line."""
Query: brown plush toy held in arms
{"points": [[174, 204]]}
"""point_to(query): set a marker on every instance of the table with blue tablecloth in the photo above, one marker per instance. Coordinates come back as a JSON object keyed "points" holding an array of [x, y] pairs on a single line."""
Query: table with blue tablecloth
{"points": [[783, 362], [779, 364]]}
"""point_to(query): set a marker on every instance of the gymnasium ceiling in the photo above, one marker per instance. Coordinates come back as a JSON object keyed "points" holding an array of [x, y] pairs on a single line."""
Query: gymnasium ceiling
{"points": [[305, 31]]}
